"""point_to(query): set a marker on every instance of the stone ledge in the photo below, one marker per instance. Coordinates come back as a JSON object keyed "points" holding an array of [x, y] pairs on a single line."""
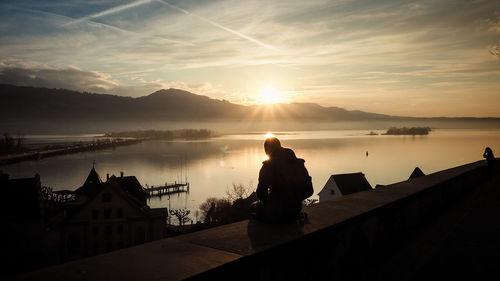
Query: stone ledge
{"points": [[339, 236]]}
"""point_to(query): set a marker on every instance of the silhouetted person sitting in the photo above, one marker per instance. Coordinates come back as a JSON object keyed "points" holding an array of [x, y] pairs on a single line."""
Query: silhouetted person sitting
{"points": [[488, 155], [283, 184]]}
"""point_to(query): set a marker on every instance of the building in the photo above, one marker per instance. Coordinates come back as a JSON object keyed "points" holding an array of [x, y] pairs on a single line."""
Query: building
{"points": [[343, 184], [109, 215], [43, 227], [27, 240]]}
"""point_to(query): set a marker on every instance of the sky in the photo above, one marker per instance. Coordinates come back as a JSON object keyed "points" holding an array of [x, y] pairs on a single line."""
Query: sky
{"points": [[408, 58]]}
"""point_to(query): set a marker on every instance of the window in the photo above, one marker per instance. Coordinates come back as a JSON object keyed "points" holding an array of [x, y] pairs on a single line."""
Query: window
{"points": [[119, 213], [106, 197], [108, 246], [95, 248], [95, 214], [119, 245], [107, 213], [119, 228], [74, 244], [95, 230], [140, 236], [109, 229]]}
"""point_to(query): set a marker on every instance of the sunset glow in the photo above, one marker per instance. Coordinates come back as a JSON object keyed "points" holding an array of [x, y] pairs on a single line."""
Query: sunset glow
{"points": [[269, 95], [420, 59]]}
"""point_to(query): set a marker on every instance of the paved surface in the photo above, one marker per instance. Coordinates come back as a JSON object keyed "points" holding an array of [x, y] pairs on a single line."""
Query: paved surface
{"points": [[166, 259]]}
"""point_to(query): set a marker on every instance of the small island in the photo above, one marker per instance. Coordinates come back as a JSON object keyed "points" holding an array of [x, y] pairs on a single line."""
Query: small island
{"points": [[408, 131]]}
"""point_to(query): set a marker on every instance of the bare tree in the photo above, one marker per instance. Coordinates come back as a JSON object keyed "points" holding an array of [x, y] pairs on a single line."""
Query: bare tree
{"points": [[182, 215], [238, 191]]}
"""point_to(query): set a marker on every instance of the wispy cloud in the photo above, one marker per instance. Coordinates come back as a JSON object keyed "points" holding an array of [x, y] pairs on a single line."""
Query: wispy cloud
{"points": [[239, 34], [110, 11], [362, 54]]}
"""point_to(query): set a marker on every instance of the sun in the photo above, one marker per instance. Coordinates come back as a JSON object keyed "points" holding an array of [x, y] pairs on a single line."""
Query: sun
{"points": [[269, 95]]}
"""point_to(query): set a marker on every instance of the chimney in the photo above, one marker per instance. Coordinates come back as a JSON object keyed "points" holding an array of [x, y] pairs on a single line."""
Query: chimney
{"points": [[107, 176], [121, 174]]}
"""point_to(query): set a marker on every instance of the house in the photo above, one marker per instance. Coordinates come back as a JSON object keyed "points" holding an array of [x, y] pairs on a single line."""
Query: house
{"points": [[43, 227], [343, 184], [21, 198], [26, 237], [108, 216], [416, 173]]}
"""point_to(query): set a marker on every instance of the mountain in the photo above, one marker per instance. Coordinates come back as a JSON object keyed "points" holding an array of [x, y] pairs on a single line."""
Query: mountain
{"points": [[29, 107], [165, 105]]}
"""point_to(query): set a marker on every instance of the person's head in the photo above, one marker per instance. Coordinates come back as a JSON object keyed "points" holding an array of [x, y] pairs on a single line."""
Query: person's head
{"points": [[271, 146], [488, 150]]}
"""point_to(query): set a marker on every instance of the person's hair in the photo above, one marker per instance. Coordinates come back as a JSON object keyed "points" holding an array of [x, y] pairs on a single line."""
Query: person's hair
{"points": [[271, 145]]}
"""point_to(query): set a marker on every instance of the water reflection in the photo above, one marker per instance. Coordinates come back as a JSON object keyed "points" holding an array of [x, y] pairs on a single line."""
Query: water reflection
{"points": [[212, 166]]}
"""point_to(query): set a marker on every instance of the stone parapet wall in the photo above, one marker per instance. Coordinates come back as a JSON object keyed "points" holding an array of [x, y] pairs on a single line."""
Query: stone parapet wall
{"points": [[343, 239]]}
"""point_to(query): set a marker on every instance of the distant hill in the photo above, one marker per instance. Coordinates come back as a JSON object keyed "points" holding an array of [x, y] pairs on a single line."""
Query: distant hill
{"points": [[165, 105], [41, 107]]}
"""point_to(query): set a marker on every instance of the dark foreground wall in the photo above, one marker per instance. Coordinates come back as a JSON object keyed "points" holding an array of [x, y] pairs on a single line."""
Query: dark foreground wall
{"points": [[344, 239], [377, 222]]}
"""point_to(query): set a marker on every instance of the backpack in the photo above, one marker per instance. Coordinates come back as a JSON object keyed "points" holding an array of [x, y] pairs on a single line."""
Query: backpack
{"points": [[302, 181], [292, 175]]}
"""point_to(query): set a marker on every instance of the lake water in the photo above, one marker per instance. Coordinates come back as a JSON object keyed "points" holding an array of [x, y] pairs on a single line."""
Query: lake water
{"points": [[213, 165]]}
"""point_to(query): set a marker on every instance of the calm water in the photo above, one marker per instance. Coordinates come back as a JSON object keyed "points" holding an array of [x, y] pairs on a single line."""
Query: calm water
{"points": [[214, 165]]}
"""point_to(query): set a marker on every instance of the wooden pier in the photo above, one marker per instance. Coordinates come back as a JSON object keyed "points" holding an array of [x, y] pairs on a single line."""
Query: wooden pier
{"points": [[167, 189]]}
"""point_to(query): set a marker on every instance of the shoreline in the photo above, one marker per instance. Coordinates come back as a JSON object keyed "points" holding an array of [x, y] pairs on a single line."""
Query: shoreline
{"points": [[44, 153]]}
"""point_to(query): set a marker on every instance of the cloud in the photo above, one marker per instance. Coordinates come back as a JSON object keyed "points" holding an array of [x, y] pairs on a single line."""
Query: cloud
{"points": [[110, 11], [493, 23], [339, 53], [239, 34], [495, 51], [70, 77]]}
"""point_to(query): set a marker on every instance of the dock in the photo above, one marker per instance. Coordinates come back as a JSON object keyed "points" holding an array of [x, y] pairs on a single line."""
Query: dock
{"points": [[167, 189]]}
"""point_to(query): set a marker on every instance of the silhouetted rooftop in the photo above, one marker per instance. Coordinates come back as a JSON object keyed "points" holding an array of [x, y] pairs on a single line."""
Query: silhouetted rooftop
{"points": [[130, 185], [351, 183], [416, 173], [91, 184]]}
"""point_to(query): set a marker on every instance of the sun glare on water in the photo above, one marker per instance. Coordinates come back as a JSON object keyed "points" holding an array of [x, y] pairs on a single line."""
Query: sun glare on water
{"points": [[270, 135]]}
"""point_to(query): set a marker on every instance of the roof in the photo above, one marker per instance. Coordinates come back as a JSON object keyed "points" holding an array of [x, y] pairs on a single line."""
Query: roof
{"points": [[91, 184], [351, 183], [93, 177], [143, 209], [131, 186], [416, 173]]}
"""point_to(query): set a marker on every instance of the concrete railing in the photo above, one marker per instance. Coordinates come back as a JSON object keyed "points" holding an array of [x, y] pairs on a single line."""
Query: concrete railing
{"points": [[342, 239]]}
